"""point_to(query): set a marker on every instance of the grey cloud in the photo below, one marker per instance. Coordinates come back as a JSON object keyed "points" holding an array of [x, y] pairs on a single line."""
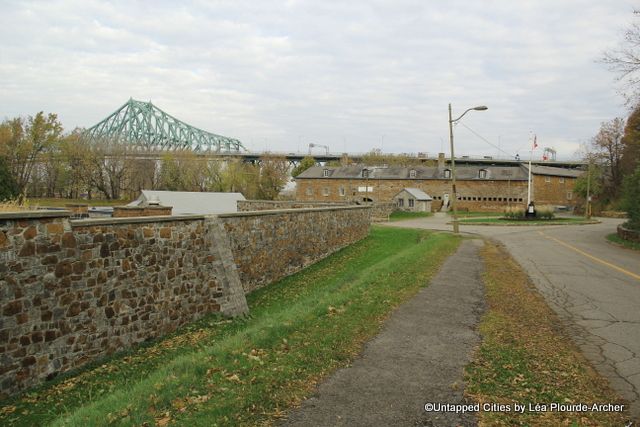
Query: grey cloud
{"points": [[344, 74]]}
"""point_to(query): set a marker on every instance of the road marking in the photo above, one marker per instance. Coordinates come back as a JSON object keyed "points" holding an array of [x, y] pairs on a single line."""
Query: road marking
{"points": [[601, 261]]}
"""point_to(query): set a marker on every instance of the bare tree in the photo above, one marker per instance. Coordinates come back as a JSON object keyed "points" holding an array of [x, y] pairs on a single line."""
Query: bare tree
{"points": [[625, 61]]}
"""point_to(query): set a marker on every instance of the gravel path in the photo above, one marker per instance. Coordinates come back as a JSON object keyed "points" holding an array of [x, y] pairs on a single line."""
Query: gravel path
{"points": [[417, 358]]}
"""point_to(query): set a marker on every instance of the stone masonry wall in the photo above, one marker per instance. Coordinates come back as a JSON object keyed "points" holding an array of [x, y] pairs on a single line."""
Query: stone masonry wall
{"points": [[554, 190], [268, 245], [261, 205], [74, 291], [628, 234], [477, 195]]}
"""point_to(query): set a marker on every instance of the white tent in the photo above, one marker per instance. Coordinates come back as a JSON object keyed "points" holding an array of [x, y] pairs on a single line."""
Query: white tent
{"points": [[188, 202]]}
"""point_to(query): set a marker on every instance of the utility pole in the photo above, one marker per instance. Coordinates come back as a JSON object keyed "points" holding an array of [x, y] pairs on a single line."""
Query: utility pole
{"points": [[587, 212]]}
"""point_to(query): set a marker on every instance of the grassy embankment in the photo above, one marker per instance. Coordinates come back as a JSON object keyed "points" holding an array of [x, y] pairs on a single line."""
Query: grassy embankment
{"points": [[248, 371], [626, 243], [526, 357]]}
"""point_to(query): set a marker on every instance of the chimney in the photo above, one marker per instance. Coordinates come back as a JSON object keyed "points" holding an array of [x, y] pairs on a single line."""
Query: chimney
{"points": [[440, 160]]}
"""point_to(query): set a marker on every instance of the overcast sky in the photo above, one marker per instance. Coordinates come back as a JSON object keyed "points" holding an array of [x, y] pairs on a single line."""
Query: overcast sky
{"points": [[352, 75]]}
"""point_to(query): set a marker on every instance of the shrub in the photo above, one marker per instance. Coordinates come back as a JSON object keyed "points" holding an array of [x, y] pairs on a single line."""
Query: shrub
{"points": [[545, 212], [631, 198], [514, 212]]}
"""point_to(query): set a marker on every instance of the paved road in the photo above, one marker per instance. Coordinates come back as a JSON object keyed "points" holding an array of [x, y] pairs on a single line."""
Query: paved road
{"points": [[418, 358], [594, 286]]}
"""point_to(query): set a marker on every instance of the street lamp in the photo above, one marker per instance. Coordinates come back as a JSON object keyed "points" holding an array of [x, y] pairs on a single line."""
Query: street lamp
{"points": [[365, 171], [453, 164]]}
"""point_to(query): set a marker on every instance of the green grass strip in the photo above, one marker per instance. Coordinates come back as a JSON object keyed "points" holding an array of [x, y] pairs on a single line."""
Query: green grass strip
{"points": [[248, 371], [527, 358], [626, 243], [402, 215]]}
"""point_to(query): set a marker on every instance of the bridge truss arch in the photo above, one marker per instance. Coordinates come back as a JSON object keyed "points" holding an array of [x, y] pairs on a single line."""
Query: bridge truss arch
{"points": [[144, 126]]}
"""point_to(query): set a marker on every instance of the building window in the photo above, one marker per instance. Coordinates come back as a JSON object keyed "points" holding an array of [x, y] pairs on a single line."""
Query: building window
{"points": [[365, 173], [325, 191], [341, 190], [411, 202], [561, 180], [547, 179], [325, 173], [447, 173], [400, 203], [482, 173], [309, 191], [412, 173], [569, 195]]}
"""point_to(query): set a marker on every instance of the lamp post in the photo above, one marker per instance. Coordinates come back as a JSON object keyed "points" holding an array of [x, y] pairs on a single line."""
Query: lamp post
{"points": [[454, 196]]}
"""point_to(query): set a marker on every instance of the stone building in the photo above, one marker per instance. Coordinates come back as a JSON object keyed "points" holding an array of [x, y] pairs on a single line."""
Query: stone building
{"points": [[479, 187], [413, 200]]}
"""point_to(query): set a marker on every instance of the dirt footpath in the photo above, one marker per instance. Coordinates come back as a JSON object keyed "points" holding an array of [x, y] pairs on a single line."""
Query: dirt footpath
{"points": [[418, 358]]}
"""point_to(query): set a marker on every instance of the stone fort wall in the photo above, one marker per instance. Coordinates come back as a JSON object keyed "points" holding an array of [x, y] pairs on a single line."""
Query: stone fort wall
{"points": [[75, 291], [261, 205], [485, 195], [271, 244], [475, 195]]}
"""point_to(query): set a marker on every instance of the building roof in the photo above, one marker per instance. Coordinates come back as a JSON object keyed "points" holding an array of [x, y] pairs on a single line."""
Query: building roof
{"points": [[463, 172], [553, 171], [188, 202], [417, 194]]}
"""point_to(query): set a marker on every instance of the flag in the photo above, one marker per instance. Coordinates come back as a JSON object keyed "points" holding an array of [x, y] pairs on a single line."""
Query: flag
{"points": [[535, 142]]}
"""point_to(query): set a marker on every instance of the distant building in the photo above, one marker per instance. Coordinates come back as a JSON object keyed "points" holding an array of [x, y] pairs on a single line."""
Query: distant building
{"points": [[479, 187], [413, 200], [188, 202]]}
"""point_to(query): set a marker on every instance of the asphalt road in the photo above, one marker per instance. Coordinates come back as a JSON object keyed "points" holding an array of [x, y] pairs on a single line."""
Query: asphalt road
{"points": [[594, 287]]}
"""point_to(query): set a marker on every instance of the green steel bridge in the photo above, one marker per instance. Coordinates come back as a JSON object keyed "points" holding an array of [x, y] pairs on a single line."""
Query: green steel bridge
{"points": [[144, 126], [152, 132]]}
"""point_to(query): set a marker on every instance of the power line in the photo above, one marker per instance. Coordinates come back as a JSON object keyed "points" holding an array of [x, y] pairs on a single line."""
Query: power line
{"points": [[485, 140]]}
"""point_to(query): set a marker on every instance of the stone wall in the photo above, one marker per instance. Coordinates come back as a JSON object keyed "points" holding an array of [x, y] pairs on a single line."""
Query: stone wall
{"points": [[554, 190], [75, 291], [613, 214], [268, 245], [261, 205], [628, 234], [476, 195], [381, 211]]}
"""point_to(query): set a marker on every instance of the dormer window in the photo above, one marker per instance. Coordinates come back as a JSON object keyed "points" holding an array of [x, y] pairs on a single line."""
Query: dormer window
{"points": [[365, 173], [412, 173], [482, 173], [447, 173], [325, 173]]}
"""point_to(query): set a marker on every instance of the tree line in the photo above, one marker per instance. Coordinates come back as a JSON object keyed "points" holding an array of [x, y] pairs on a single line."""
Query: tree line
{"points": [[38, 159], [614, 152]]}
